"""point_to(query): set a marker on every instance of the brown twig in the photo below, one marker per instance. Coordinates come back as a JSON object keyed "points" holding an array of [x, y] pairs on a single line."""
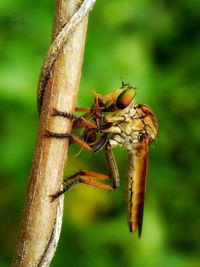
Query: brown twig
{"points": [[41, 219], [58, 43]]}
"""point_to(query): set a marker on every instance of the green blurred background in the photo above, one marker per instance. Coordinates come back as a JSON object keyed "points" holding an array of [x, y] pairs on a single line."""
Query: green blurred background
{"points": [[153, 44]]}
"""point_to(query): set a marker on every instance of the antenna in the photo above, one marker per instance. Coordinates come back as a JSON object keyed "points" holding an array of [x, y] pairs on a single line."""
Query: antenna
{"points": [[123, 83]]}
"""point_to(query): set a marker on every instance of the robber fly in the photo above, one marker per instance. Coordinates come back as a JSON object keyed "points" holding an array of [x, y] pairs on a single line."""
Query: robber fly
{"points": [[114, 120]]}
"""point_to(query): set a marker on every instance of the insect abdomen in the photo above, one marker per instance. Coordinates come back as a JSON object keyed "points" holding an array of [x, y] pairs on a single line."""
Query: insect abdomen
{"points": [[137, 174]]}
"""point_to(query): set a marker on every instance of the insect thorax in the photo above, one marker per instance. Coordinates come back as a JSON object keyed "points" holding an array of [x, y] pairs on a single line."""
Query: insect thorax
{"points": [[132, 125]]}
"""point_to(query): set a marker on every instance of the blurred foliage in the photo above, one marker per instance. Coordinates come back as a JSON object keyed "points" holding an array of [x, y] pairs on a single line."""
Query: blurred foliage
{"points": [[153, 44]]}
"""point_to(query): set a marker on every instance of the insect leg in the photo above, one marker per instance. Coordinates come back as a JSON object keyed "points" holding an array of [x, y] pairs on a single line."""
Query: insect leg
{"points": [[98, 145], [74, 117], [87, 174], [85, 178], [113, 169], [67, 135], [82, 109]]}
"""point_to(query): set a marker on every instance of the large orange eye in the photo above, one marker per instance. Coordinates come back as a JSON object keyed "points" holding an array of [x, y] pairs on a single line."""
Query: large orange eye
{"points": [[125, 98]]}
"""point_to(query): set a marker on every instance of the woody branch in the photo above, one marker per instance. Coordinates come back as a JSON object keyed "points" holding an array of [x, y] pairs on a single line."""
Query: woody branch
{"points": [[59, 81]]}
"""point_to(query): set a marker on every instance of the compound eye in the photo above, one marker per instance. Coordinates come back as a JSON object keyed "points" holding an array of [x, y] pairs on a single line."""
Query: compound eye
{"points": [[125, 98]]}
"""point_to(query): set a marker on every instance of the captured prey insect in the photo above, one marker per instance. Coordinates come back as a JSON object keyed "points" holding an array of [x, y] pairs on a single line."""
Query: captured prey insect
{"points": [[114, 120]]}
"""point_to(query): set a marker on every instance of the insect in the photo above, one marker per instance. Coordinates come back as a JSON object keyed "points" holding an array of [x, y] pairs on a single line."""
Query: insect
{"points": [[114, 120]]}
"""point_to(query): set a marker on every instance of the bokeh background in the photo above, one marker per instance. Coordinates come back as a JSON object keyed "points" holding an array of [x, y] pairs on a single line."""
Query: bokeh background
{"points": [[153, 44]]}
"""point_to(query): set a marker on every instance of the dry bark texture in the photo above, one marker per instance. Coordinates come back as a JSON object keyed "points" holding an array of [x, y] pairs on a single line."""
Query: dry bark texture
{"points": [[41, 219]]}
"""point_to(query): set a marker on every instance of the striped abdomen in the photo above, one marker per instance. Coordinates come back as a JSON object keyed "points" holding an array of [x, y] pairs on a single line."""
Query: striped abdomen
{"points": [[137, 174]]}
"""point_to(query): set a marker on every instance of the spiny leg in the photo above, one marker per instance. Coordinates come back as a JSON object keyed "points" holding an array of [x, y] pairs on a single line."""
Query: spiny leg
{"points": [[66, 136], [92, 148], [85, 178], [74, 117], [87, 174]]}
